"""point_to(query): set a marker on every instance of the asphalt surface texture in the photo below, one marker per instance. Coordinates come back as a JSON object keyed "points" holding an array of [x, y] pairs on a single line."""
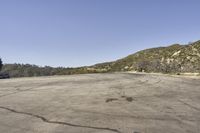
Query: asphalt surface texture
{"points": [[100, 103]]}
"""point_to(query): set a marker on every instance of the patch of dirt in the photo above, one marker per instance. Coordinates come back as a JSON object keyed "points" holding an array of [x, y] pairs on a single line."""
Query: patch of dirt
{"points": [[129, 99], [111, 99]]}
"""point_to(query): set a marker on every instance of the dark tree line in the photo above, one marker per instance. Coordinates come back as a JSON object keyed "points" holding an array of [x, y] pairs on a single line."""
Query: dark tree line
{"points": [[27, 70], [1, 64]]}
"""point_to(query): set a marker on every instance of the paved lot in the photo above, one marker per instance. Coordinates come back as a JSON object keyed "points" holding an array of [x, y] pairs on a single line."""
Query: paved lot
{"points": [[100, 103]]}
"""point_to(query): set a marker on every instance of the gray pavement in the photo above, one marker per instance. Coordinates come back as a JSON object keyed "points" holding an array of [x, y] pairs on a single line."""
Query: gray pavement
{"points": [[100, 103]]}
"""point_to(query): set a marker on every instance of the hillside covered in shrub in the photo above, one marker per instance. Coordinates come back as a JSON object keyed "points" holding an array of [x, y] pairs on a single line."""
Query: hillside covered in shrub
{"points": [[172, 59], [27, 70]]}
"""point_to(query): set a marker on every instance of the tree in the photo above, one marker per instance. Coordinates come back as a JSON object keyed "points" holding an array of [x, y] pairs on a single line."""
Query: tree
{"points": [[1, 64], [143, 66]]}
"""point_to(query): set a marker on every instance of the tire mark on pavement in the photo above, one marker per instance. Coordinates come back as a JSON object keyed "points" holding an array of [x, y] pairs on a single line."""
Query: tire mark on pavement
{"points": [[17, 91], [59, 122], [189, 105], [138, 117]]}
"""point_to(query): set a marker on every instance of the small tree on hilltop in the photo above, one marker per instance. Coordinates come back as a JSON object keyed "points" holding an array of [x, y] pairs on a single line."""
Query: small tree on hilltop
{"points": [[1, 64]]}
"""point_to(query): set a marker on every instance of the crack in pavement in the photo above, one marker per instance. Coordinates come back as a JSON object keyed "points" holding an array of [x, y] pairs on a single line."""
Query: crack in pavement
{"points": [[59, 122]]}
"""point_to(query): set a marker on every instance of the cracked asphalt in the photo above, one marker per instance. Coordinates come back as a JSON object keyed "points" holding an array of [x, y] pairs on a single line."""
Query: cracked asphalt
{"points": [[100, 103]]}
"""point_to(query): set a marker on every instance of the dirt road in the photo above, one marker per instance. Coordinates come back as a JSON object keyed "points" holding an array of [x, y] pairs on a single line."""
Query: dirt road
{"points": [[100, 103]]}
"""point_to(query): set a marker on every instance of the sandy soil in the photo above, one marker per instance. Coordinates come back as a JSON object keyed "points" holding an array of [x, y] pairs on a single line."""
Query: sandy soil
{"points": [[100, 103]]}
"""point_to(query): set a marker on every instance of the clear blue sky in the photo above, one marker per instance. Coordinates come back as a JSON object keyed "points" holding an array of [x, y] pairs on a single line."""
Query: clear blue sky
{"points": [[84, 32]]}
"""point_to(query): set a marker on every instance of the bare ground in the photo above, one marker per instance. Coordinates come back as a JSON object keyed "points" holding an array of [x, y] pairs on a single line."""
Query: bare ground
{"points": [[100, 103]]}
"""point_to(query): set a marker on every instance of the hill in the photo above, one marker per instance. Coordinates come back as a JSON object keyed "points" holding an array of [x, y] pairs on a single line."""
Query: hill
{"points": [[172, 59]]}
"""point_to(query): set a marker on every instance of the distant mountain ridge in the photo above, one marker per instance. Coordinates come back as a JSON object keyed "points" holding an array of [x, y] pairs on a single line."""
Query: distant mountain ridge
{"points": [[172, 59]]}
